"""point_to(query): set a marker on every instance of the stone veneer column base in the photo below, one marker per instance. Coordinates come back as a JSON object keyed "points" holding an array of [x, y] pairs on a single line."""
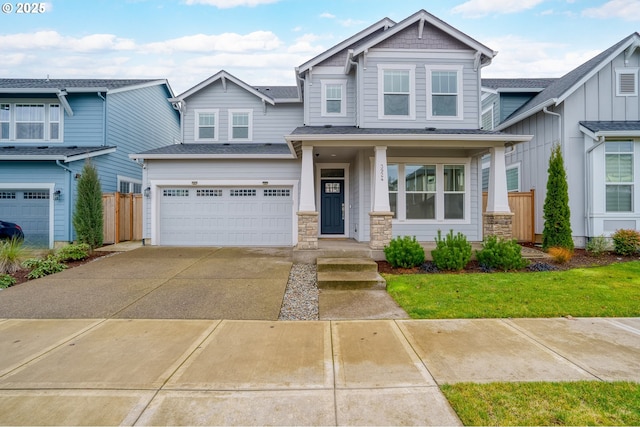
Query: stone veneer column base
{"points": [[307, 230], [498, 224], [380, 231]]}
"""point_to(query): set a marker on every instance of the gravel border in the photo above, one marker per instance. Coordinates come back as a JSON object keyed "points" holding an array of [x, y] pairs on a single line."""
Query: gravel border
{"points": [[300, 300]]}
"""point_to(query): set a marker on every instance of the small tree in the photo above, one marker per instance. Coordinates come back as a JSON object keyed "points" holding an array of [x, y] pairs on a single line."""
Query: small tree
{"points": [[556, 213], [87, 218]]}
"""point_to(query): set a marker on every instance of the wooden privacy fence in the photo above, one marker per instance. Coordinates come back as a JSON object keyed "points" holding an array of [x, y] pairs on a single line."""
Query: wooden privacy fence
{"points": [[522, 206], [122, 216]]}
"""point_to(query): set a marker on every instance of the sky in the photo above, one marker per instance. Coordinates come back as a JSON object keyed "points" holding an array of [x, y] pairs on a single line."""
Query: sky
{"points": [[262, 41]]}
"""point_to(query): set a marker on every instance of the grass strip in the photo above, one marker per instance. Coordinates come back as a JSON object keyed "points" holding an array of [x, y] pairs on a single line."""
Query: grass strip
{"points": [[544, 403], [608, 291]]}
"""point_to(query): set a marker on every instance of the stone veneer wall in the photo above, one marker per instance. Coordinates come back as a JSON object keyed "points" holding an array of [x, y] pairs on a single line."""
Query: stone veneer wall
{"points": [[307, 230], [498, 224], [381, 229]]}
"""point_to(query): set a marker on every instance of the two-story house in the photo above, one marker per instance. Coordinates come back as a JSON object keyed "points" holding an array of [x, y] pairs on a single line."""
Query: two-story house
{"points": [[380, 138], [49, 127], [593, 112]]}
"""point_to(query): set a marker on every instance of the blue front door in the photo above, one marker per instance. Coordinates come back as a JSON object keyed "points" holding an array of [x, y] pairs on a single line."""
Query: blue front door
{"points": [[332, 206]]}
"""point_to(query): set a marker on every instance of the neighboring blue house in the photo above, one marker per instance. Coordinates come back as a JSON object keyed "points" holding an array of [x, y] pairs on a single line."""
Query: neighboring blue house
{"points": [[49, 127], [593, 112], [380, 137]]}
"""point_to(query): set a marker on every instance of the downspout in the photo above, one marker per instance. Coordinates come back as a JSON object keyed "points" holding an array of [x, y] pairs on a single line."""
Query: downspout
{"points": [[355, 64], [587, 199], [69, 198], [180, 107], [104, 119], [559, 116]]}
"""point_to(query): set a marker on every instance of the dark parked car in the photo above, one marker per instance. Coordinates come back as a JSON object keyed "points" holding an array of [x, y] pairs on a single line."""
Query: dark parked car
{"points": [[9, 230]]}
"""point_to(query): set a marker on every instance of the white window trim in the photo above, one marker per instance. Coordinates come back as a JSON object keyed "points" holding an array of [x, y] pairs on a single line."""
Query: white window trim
{"points": [[121, 178], [196, 120], [412, 90], [401, 214], [631, 183], [459, 69], [343, 91], [487, 110], [516, 166], [250, 130], [47, 121], [634, 72]]}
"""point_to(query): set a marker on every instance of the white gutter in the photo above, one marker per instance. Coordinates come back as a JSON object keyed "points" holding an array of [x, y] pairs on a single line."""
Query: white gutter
{"points": [[208, 156], [544, 110], [411, 137]]}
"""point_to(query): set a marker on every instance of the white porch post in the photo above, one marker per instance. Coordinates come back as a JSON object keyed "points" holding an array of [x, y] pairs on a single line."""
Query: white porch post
{"points": [[380, 181], [498, 197], [307, 189]]}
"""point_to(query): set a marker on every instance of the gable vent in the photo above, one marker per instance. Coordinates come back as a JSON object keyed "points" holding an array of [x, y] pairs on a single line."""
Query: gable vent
{"points": [[627, 83]]}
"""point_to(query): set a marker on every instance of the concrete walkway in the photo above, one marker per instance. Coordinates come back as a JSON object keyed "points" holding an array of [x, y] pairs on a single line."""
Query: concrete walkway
{"points": [[212, 372]]}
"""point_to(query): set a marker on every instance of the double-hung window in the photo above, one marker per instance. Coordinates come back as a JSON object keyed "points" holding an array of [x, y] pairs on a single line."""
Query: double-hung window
{"points": [[333, 97], [396, 98], [444, 92], [206, 125], [240, 126], [429, 191], [619, 176], [5, 121], [30, 121]]}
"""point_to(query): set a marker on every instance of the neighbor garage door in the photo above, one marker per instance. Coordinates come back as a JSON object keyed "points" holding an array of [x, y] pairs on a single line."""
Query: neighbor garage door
{"points": [[223, 216], [30, 210]]}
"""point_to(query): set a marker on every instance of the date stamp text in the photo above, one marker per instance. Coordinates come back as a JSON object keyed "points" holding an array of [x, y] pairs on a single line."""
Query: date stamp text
{"points": [[24, 8]]}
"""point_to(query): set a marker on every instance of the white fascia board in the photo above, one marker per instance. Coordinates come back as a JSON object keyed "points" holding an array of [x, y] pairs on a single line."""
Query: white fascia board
{"points": [[589, 133], [140, 86], [208, 156], [89, 155], [410, 137], [610, 134], [86, 89], [489, 90], [524, 115], [34, 157], [520, 89], [30, 90], [219, 75]]}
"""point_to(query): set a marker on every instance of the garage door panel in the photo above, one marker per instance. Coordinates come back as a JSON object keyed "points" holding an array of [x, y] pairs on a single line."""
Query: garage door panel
{"points": [[29, 208], [226, 216]]}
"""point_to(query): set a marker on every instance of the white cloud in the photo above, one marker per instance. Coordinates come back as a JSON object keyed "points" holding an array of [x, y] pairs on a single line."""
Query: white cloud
{"points": [[629, 10], [228, 4], [351, 22], [53, 40], [327, 15], [480, 8], [226, 42]]}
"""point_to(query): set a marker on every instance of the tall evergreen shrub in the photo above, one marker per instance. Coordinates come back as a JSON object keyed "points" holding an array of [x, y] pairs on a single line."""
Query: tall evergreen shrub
{"points": [[87, 217], [556, 213]]}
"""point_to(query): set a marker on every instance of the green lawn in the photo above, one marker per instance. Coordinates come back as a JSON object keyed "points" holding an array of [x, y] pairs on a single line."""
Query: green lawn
{"points": [[541, 404], [609, 291]]}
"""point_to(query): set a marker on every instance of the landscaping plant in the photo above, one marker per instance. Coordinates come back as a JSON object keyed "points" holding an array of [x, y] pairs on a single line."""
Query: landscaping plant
{"points": [[6, 281], [41, 267], [597, 246], [560, 255], [87, 217], [626, 242], [11, 253], [556, 212], [451, 253], [73, 252], [405, 252], [501, 254]]}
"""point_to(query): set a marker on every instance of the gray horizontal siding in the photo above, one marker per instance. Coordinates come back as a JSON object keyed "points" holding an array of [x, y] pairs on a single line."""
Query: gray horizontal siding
{"points": [[313, 94]]}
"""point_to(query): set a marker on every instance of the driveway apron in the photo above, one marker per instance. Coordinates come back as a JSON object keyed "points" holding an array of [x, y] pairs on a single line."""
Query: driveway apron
{"points": [[159, 283]]}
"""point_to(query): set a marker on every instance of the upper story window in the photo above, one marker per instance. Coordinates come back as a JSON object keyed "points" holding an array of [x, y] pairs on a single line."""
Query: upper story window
{"points": [[444, 92], [333, 97], [30, 122], [240, 124], [128, 185], [206, 125], [396, 89], [627, 82], [619, 176]]}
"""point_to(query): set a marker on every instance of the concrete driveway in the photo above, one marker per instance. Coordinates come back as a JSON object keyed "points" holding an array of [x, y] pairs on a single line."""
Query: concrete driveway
{"points": [[160, 283]]}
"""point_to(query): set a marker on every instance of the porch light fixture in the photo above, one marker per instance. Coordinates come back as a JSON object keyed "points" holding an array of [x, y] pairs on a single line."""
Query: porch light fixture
{"points": [[147, 192], [57, 195]]}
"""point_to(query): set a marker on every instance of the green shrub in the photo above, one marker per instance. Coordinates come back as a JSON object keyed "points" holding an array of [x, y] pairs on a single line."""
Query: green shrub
{"points": [[74, 252], [452, 253], [501, 254], [404, 252], [626, 242], [556, 212], [41, 267], [11, 253], [87, 217], [6, 281], [597, 246]]}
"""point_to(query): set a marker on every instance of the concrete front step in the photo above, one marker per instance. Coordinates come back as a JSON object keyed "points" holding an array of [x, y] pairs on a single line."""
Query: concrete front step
{"points": [[350, 280], [346, 264]]}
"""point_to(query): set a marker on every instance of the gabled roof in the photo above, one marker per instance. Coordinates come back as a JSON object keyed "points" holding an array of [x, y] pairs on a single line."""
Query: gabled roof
{"points": [[280, 93], [217, 151], [563, 87], [611, 129], [424, 16], [350, 42], [65, 154], [517, 85], [75, 85], [223, 76]]}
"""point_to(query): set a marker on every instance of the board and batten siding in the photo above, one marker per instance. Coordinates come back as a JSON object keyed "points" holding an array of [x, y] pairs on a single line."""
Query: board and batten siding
{"points": [[269, 127]]}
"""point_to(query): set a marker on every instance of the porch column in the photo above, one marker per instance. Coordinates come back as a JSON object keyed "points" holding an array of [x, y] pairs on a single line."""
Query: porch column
{"points": [[307, 214], [498, 218], [380, 218]]}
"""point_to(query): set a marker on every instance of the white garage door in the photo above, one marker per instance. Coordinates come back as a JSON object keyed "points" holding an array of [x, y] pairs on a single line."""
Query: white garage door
{"points": [[30, 210], [223, 216]]}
